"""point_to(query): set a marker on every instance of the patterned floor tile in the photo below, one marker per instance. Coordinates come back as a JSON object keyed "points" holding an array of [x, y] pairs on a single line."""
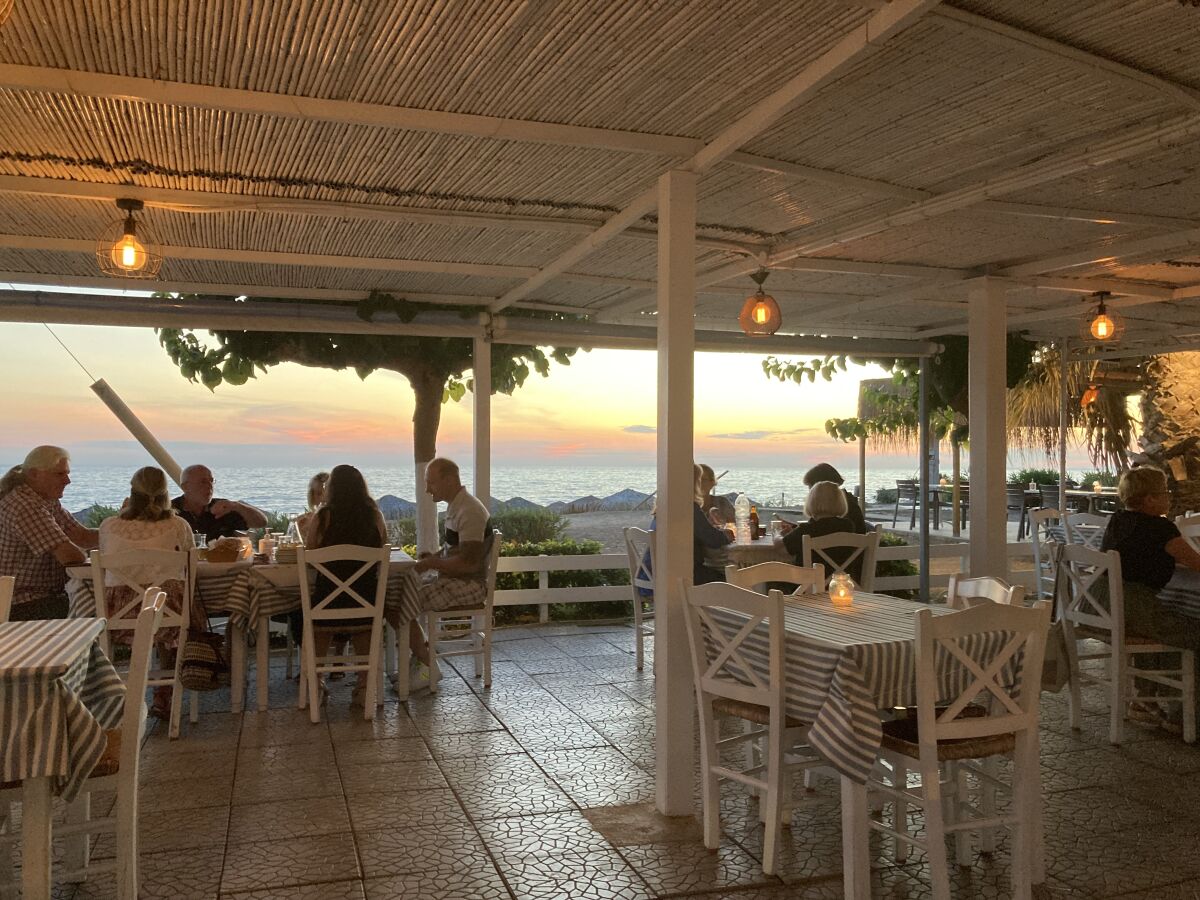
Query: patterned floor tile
{"points": [[185, 794], [465, 771], [382, 727], [285, 819], [686, 867], [411, 775], [164, 876], [264, 786], [381, 752], [335, 890], [174, 762], [632, 786], [595, 761], [435, 847], [280, 864], [574, 735], [601, 875], [485, 884], [552, 833], [167, 830], [498, 800], [479, 744], [383, 812], [303, 756]]}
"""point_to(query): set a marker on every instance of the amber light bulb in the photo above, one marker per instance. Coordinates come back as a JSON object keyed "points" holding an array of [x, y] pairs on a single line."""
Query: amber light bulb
{"points": [[761, 314], [129, 253], [1102, 327]]}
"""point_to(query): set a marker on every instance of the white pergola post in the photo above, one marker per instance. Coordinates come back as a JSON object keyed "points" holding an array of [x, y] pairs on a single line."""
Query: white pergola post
{"points": [[427, 530], [673, 538], [986, 331], [481, 421]]}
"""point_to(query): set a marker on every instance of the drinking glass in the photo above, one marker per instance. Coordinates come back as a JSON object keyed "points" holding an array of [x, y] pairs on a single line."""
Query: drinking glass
{"points": [[777, 528], [200, 539]]}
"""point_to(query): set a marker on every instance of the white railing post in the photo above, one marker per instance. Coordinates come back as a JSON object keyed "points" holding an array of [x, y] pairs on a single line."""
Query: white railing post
{"points": [[543, 586]]}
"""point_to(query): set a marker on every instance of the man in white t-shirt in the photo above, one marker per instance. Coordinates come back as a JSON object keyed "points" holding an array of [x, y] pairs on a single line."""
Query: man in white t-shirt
{"points": [[456, 575]]}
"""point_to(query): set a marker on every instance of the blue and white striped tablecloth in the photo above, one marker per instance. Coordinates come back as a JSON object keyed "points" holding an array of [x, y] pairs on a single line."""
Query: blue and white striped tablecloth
{"points": [[844, 665], [59, 693]]}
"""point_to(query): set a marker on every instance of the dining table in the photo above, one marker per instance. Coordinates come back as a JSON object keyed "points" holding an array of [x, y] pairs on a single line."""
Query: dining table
{"points": [[59, 695], [250, 592], [842, 666]]}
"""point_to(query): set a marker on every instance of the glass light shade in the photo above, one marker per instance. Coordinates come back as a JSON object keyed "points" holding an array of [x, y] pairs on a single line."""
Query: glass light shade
{"points": [[760, 315], [841, 589], [127, 249], [1103, 328], [129, 254]]}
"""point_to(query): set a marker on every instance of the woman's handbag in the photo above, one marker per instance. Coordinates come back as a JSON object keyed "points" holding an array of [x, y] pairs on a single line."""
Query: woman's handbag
{"points": [[203, 667], [1056, 666]]}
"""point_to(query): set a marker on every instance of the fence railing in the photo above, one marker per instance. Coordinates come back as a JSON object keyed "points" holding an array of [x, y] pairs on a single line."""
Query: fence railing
{"points": [[1020, 571]]}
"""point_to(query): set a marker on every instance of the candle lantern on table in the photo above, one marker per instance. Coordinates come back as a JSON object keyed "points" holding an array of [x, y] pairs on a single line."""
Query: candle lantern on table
{"points": [[841, 589], [1096, 486]]}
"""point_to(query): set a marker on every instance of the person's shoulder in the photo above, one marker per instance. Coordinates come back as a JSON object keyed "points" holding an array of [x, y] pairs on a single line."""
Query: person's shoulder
{"points": [[177, 502]]}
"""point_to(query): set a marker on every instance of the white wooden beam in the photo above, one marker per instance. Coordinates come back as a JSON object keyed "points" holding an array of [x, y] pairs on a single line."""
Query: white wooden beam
{"points": [[289, 106], [1098, 253], [851, 49]]}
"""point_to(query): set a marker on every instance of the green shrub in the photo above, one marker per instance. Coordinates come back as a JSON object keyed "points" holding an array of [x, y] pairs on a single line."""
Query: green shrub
{"points": [[1037, 476], [277, 521], [97, 514], [886, 495], [1108, 479], [530, 525], [509, 615], [896, 568], [402, 533]]}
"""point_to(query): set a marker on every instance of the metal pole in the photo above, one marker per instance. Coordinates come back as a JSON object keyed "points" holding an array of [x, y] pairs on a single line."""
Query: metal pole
{"points": [[1063, 400], [923, 484]]}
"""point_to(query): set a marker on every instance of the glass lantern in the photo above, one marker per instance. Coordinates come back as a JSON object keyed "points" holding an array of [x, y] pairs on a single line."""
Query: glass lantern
{"points": [[841, 589]]}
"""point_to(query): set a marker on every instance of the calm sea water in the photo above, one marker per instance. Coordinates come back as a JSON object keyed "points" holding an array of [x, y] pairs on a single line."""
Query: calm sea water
{"points": [[282, 489]]}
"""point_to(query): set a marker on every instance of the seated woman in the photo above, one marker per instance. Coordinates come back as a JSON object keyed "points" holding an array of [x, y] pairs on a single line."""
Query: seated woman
{"points": [[147, 522], [1152, 551], [825, 472], [718, 509], [316, 497], [826, 509], [706, 537], [349, 516]]}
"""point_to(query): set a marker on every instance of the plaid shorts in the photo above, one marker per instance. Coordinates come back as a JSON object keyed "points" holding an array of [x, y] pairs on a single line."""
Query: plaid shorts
{"points": [[452, 593]]}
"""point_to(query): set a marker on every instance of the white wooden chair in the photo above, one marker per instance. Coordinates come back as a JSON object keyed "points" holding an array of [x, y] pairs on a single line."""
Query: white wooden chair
{"points": [[124, 566], [367, 610], [809, 580], [726, 684], [7, 584], [998, 651], [964, 593], [465, 632], [1091, 605], [863, 546], [1189, 526], [639, 546], [1086, 529], [116, 771], [1046, 531]]}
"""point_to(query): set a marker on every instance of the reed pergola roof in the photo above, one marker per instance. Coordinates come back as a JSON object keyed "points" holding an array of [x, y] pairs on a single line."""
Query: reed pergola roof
{"points": [[472, 154]]}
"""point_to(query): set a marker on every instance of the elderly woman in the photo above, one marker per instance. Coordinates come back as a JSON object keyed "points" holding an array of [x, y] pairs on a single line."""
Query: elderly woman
{"points": [[147, 522], [1154, 556], [825, 472], [826, 509]]}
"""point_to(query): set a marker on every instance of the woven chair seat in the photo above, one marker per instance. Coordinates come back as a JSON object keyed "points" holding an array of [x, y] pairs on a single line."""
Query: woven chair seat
{"points": [[1101, 634], [108, 764], [752, 712], [901, 736]]}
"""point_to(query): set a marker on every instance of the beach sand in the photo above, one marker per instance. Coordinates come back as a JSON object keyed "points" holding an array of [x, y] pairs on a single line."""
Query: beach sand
{"points": [[605, 527]]}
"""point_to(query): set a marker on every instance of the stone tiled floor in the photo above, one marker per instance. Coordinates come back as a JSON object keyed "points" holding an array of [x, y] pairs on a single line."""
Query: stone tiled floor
{"points": [[477, 794]]}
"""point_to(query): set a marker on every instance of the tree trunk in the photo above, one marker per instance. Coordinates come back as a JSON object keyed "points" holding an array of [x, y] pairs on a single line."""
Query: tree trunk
{"points": [[427, 417], [1171, 413]]}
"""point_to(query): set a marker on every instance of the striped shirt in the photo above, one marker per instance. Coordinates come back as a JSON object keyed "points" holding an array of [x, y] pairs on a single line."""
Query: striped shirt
{"points": [[30, 528]]}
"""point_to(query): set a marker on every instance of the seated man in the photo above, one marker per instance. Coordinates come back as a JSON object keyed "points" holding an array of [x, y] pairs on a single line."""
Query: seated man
{"points": [[825, 472], [215, 518], [458, 572], [38, 538]]}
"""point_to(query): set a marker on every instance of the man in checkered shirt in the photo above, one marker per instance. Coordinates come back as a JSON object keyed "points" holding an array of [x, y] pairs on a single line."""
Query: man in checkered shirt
{"points": [[38, 538]]}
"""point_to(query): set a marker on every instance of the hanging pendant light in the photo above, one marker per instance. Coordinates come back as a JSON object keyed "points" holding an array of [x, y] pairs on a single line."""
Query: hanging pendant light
{"points": [[760, 314], [1090, 396], [127, 250], [1106, 325]]}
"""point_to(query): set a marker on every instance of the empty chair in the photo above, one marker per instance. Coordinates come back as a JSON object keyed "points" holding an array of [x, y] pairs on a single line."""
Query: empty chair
{"points": [[1019, 502], [844, 552], [906, 494], [1046, 532], [1086, 528], [758, 577], [1091, 605], [961, 648], [964, 593], [117, 770], [639, 547], [342, 610], [720, 618], [466, 631]]}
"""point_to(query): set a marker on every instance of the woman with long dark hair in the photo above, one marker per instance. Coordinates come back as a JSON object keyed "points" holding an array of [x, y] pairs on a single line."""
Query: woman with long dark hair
{"points": [[348, 516]]}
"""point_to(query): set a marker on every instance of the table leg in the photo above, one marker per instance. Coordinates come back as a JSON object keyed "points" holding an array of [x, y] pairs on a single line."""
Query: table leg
{"points": [[35, 839], [237, 667], [262, 651], [856, 860], [79, 846]]}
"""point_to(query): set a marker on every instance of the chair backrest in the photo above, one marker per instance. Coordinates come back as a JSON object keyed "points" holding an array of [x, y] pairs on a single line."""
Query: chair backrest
{"points": [[721, 618], [809, 580], [1090, 591], [860, 554], [369, 609], [990, 652], [1045, 532], [7, 585], [639, 547], [1050, 494], [133, 718], [493, 558], [906, 490], [964, 593], [1189, 526], [1086, 528], [130, 567]]}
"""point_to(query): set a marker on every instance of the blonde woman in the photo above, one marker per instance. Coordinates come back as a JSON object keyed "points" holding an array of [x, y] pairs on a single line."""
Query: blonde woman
{"points": [[826, 509], [707, 539], [316, 499]]}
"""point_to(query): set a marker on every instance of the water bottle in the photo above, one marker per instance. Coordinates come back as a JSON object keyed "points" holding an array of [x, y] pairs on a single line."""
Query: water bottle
{"points": [[741, 518]]}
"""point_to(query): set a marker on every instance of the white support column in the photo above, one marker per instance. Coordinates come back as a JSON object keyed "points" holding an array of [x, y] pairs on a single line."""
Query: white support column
{"points": [[427, 517], [482, 417], [986, 330], [674, 724]]}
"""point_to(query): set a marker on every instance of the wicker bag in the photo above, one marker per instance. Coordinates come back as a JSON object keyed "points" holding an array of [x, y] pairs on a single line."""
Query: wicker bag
{"points": [[203, 667]]}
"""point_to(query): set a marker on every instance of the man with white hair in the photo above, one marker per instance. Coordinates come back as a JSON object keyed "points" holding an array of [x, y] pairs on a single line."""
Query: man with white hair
{"points": [[38, 538], [214, 517]]}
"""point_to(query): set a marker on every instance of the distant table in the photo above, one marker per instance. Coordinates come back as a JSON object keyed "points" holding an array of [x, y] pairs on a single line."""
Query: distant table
{"points": [[1093, 497], [763, 550], [59, 694]]}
